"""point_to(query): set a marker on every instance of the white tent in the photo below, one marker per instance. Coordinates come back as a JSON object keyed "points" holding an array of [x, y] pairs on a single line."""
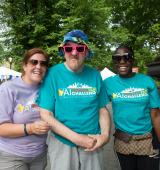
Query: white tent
{"points": [[6, 73], [105, 73]]}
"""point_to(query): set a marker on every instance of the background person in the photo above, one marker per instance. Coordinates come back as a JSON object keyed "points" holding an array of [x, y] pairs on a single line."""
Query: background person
{"points": [[22, 132], [71, 96], [134, 101]]}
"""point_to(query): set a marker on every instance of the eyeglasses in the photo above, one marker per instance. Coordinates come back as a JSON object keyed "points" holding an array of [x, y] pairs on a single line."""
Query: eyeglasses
{"points": [[78, 48], [35, 62], [126, 57]]}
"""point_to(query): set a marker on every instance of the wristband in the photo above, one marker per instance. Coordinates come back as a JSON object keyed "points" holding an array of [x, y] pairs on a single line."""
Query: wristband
{"points": [[25, 130]]}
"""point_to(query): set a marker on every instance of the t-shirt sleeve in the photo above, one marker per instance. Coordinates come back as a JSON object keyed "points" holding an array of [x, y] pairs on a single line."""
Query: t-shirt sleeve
{"points": [[154, 95], [46, 97], [6, 104], [103, 97]]}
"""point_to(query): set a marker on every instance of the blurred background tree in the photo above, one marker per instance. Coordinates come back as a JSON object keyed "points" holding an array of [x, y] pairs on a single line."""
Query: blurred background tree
{"points": [[1, 53], [108, 23], [141, 18]]}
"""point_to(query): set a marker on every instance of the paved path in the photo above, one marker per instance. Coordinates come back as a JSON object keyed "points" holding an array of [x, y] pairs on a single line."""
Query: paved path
{"points": [[110, 160]]}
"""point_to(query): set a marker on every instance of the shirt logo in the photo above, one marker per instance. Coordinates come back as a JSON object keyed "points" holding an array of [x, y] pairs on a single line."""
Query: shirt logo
{"points": [[131, 93], [77, 89], [29, 106]]}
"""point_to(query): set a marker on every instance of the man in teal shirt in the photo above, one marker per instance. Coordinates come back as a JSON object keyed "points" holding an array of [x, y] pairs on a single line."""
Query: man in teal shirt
{"points": [[72, 100]]}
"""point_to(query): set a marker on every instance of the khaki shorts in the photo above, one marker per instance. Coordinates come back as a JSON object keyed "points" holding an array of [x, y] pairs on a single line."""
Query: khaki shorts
{"points": [[65, 157], [13, 162]]}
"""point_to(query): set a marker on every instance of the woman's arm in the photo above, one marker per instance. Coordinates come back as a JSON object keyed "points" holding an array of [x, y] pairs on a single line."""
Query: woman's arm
{"points": [[155, 116], [12, 130], [18, 130]]}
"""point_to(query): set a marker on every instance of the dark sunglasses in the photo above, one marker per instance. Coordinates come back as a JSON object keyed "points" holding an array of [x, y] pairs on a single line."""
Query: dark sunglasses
{"points": [[78, 48], [35, 62], [126, 57]]}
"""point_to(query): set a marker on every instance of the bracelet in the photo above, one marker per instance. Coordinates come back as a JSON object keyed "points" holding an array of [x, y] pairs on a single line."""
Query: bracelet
{"points": [[25, 130]]}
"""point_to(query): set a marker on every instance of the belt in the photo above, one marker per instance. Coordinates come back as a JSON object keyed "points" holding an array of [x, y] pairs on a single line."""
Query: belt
{"points": [[125, 137]]}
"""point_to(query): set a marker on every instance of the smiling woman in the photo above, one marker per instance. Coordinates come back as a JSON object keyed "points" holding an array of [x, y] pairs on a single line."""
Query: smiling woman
{"points": [[22, 133], [135, 101], [35, 63], [123, 60]]}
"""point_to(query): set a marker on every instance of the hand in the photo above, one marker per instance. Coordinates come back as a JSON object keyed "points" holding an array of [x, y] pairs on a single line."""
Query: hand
{"points": [[38, 127], [85, 141], [101, 141]]}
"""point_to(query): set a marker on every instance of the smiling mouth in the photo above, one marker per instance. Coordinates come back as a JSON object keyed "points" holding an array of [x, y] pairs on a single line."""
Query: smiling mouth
{"points": [[74, 59], [123, 68], [37, 72]]}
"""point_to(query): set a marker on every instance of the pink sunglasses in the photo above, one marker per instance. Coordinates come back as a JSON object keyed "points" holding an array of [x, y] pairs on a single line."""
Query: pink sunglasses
{"points": [[78, 48]]}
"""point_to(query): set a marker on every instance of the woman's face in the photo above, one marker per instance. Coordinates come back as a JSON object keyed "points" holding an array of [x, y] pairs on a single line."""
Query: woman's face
{"points": [[35, 69], [123, 61]]}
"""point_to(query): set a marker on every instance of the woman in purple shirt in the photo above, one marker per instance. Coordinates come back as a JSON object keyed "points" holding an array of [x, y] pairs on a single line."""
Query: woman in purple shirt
{"points": [[22, 132]]}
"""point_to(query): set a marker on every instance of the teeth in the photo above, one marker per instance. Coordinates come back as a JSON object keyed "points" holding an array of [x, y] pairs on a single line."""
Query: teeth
{"points": [[123, 67], [36, 72]]}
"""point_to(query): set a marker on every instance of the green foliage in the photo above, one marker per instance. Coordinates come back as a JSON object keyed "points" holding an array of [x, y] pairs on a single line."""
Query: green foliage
{"points": [[1, 54], [43, 23], [136, 22]]}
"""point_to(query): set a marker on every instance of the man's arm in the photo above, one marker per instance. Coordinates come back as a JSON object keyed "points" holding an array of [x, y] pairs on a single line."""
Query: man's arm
{"points": [[79, 139], [155, 115], [105, 124]]}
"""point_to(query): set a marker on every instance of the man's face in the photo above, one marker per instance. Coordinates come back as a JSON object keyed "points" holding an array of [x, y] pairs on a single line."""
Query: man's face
{"points": [[75, 55]]}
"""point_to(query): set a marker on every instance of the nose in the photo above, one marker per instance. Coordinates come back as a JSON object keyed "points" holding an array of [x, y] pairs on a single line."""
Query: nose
{"points": [[38, 65], [74, 52], [122, 60]]}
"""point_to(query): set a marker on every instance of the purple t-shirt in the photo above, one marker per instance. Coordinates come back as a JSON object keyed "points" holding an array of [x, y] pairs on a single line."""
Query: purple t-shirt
{"points": [[17, 106]]}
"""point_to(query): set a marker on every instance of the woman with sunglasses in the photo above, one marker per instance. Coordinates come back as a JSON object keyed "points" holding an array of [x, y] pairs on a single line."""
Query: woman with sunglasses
{"points": [[135, 101], [22, 132]]}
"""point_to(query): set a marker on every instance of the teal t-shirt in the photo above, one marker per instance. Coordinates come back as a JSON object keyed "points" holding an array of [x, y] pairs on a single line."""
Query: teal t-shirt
{"points": [[74, 98], [132, 99]]}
